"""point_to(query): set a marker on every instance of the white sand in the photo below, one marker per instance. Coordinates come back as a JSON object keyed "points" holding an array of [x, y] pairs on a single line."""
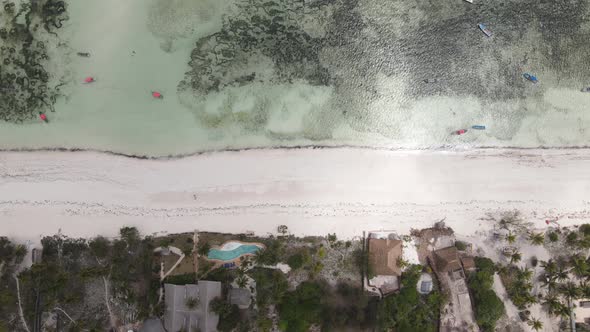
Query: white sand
{"points": [[345, 191]]}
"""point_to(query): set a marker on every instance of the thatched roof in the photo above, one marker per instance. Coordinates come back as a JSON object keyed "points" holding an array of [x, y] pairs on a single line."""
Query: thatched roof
{"points": [[383, 256], [447, 259]]}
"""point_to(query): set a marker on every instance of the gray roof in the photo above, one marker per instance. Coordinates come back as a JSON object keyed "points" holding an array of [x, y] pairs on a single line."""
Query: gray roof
{"points": [[152, 325], [179, 316], [240, 297]]}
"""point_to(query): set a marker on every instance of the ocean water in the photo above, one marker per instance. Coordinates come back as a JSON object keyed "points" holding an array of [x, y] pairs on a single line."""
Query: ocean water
{"points": [[256, 73]]}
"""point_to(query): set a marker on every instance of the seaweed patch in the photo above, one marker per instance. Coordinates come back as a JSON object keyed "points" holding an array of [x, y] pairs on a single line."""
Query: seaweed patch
{"points": [[24, 81]]}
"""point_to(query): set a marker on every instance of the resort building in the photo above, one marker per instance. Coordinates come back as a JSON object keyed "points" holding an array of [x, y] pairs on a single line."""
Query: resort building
{"points": [[582, 311], [187, 306], [384, 254]]}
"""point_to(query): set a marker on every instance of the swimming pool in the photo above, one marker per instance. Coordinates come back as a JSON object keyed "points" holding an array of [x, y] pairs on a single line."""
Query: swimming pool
{"points": [[232, 250]]}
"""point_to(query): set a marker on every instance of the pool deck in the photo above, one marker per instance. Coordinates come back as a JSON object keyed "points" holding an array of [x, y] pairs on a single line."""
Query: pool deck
{"points": [[236, 260]]}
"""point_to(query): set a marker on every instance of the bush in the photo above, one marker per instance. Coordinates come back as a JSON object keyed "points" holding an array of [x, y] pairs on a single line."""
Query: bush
{"points": [[571, 239], [553, 237], [408, 310], [301, 308], [585, 229], [460, 245], [229, 315], [534, 261], [488, 307], [298, 260]]}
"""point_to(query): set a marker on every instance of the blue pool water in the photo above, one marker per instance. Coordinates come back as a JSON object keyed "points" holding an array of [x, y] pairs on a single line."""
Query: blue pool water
{"points": [[228, 255]]}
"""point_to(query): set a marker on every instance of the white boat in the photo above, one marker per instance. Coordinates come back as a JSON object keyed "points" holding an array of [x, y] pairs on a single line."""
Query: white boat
{"points": [[470, 1]]}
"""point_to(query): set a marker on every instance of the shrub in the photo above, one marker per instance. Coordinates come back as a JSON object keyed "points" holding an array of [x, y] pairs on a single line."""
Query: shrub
{"points": [[553, 237], [301, 308], [585, 229], [488, 307], [460, 245], [229, 315], [298, 260], [534, 261], [571, 239], [409, 310]]}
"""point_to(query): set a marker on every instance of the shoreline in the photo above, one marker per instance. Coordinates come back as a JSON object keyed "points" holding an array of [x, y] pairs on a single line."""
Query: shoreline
{"points": [[312, 191], [442, 148]]}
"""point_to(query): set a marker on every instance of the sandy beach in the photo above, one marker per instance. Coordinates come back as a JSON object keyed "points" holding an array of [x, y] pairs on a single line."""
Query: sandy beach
{"points": [[312, 191]]}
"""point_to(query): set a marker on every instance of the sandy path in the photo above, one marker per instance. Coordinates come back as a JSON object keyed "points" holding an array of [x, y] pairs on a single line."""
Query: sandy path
{"points": [[312, 191]]}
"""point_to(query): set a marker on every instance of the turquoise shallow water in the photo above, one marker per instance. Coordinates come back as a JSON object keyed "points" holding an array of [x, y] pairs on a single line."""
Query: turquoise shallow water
{"points": [[241, 74], [228, 255]]}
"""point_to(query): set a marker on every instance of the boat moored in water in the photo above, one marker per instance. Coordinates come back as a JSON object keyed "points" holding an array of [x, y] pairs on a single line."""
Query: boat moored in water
{"points": [[530, 77], [485, 29], [586, 89]]}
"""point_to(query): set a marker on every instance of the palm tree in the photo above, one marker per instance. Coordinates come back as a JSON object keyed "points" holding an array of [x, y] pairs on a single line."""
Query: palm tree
{"points": [[536, 239], [570, 290], [535, 324], [511, 238], [561, 274], [585, 289], [579, 266], [548, 281], [549, 266], [241, 281], [515, 257], [524, 274], [191, 302], [552, 304]]}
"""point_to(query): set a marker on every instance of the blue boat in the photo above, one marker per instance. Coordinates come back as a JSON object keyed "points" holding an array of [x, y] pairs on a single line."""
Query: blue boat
{"points": [[530, 77], [484, 29], [478, 127], [586, 89]]}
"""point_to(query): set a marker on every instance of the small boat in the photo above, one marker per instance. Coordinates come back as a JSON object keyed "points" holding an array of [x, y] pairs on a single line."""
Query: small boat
{"points": [[84, 54], [586, 89], [470, 1], [478, 127], [157, 95], [530, 77], [484, 29], [43, 117], [461, 131], [89, 79], [431, 80]]}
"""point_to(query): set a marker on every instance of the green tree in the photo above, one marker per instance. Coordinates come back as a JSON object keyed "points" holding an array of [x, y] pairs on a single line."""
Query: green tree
{"points": [[515, 257], [511, 238], [488, 307], [192, 302], [551, 304], [100, 247], [579, 266], [535, 324], [570, 290], [203, 248], [571, 239], [301, 308], [553, 237], [408, 310], [536, 239], [229, 315]]}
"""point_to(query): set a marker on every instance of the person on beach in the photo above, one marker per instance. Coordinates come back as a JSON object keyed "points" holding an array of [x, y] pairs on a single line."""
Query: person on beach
{"points": [[157, 95], [43, 117]]}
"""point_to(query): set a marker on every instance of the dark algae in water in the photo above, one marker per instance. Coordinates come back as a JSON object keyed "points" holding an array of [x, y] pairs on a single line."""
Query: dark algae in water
{"points": [[24, 81]]}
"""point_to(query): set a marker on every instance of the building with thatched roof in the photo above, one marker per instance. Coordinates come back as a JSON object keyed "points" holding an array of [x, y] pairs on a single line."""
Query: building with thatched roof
{"points": [[383, 256], [447, 259]]}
